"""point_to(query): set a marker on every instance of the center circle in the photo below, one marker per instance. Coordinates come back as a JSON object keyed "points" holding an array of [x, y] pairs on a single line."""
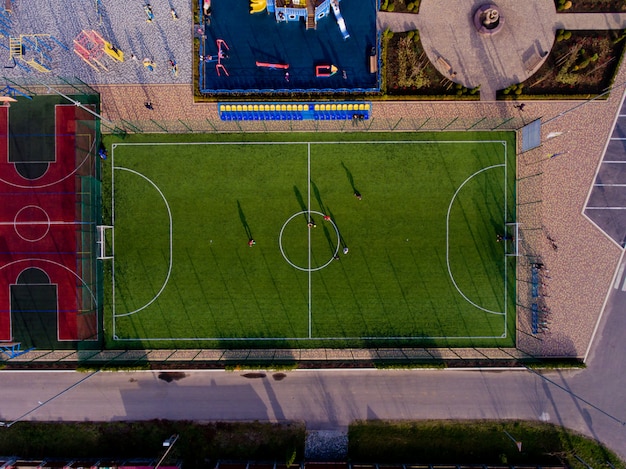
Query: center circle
{"points": [[31, 223], [309, 224]]}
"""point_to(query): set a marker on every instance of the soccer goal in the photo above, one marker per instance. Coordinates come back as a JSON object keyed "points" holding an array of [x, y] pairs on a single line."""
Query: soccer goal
{"points": [[512, 239], [101, 242]]}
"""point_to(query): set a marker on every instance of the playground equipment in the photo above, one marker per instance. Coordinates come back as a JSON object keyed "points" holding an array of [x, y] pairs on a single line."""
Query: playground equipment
{"points": [[272, 66], [310, 11], [257, 6], [325, 71], [34, 50], [149, 64], [221, 45], [147, 8], [340, 21], [91, 47]]}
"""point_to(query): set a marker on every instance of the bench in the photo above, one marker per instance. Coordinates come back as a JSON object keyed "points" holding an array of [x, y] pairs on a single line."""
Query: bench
{"points": [[533, 61], [445, 65]]}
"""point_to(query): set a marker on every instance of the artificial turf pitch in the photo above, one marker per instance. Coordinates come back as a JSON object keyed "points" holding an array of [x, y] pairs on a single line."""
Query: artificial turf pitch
{"points": [[427, 219]]}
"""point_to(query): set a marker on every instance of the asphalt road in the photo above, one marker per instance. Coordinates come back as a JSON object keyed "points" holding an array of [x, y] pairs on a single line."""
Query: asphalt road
{"points": [[333, 399]]}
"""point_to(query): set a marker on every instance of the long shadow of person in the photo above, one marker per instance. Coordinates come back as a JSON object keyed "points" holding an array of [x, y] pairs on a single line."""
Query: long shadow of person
{"points": [[355, 191], [244, 222], [302, 204]]}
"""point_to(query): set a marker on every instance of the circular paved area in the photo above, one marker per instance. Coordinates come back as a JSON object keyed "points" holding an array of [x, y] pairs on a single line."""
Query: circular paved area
{"points": [[493, 62]]}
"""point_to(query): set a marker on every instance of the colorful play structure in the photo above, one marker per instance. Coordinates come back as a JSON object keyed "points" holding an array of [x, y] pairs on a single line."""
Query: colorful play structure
{"points": [[221, 55], [325, 71], [33, 51], [92, 48], [272, 66], [348, 110], [295, 10]]}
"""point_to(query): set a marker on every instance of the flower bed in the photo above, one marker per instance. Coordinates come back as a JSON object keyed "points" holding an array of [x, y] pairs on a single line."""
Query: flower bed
{"points": [[590, 6], [400, 6], [409, 72], [580, 64]]}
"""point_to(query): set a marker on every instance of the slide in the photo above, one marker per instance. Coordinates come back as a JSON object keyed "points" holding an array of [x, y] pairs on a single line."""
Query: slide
{"points": [[340, 21], [257, 6]]}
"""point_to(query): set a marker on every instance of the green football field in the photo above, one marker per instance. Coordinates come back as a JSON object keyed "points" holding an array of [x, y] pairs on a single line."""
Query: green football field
{"points": [[422, 263]]}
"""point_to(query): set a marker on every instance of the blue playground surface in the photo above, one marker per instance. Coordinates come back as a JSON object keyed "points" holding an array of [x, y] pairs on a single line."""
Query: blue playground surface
{"points": [[241, 40]]}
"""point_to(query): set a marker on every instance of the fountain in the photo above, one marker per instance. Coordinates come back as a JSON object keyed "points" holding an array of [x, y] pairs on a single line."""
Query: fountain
{"points": [[487, 19]]}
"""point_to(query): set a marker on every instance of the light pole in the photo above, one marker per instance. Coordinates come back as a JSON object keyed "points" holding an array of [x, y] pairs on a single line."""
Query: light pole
{"points": [[77, 103], [608, 90], [169, 443]]}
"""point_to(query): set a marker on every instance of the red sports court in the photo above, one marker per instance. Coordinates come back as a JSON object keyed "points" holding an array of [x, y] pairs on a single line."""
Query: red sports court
{"points": [[50, 194]]}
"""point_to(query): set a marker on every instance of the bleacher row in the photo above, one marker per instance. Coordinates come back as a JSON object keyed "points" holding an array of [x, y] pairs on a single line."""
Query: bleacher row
{"points": [[295, 111]]}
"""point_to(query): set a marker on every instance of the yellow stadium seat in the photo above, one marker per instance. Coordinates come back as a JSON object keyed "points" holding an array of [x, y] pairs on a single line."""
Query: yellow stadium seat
{"points": [[256, 107], [245, 107], [333, 107], [272, 107], [305, 107], [239, 107], [283, 107], [316, 107], [289, 107]]}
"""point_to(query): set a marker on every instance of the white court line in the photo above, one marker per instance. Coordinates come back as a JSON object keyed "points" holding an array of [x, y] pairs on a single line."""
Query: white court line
{"points": [[620, 272], [308, 146], [80, 279], [610, 185], [614, 161], [169, 269], [624, 285], [448, 241], [243, 339], [605, 208]]}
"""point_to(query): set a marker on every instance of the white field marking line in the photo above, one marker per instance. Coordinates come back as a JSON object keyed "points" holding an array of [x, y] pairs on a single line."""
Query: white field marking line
{"points": [[614, 162], [169, 269], [52, 222], [504, 261], [599, 165], [308, 146], [113, 237], [605, 208], [20, 186], [93, 297], [618, 278], [448, 240], [282, 251], [360, 142], [236, 339], [91, 146], [610, 185], [325, 339]]}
